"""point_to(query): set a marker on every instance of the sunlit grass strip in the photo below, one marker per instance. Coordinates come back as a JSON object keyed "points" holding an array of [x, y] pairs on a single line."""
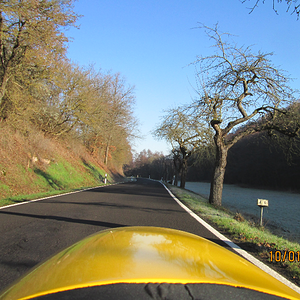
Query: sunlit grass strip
{"points": [[242, 231], [23, 198], [59, 178]]}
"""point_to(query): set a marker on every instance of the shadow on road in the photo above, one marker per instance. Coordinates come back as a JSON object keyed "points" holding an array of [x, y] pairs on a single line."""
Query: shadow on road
{"points": [[143, 187], [65, 219], [121, 206], [22, 265]]}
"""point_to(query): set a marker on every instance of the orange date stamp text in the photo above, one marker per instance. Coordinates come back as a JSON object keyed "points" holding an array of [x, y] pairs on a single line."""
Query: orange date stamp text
{"points": [[285, 255]]}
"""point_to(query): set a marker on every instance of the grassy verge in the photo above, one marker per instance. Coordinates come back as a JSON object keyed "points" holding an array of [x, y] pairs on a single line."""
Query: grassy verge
{"points": [[23, 198], [58, 178], [248, 235]]}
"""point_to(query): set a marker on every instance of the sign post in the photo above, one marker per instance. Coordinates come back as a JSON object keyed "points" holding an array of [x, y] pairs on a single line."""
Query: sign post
{"points": [[173, 181], [262, 203]]}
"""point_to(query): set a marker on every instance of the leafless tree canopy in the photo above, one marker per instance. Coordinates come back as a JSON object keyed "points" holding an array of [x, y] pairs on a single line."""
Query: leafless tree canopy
{"points": [[185, 133], [292, 5], [237, 86], [179, 127]]}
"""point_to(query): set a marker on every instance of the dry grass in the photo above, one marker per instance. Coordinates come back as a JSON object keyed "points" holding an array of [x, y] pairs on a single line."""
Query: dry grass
{"points": [[31, 163]]}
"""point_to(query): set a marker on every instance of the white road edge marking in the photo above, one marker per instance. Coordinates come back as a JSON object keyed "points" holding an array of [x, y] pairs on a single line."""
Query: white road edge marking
{"points": [[58, 195], [235, 247]]}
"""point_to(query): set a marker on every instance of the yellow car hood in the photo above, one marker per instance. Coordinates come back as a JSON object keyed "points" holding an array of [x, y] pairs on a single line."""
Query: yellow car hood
{"points": [[144, 255]]}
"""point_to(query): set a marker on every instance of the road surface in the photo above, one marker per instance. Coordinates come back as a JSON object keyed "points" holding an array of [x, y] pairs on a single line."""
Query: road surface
{"points": [[31, 232]]}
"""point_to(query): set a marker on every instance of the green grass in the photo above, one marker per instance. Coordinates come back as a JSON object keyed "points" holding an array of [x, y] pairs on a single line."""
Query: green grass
{"points": [[96, 171], [241, 231], [4, 188], [60, 177], [22, 198]]}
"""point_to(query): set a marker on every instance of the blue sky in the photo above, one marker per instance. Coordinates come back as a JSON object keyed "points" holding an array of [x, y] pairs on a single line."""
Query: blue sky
{"points": [[152, 43]]}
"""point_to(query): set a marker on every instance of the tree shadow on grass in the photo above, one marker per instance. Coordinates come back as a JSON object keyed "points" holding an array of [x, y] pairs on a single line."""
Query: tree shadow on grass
{"points": [[54, 183], [92, 170]]}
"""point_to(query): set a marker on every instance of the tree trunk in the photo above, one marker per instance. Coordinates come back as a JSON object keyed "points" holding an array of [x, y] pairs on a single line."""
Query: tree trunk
{"points": [[177, 169], [176, 178], [4, 101], [106, 153], [216, 186], [183, 172]]}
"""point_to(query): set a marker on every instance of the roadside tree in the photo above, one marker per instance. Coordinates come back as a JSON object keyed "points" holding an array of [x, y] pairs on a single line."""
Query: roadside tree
{"points": [[185, 133], [238, 87], [64, 100], [31, 42], [119, 119]]}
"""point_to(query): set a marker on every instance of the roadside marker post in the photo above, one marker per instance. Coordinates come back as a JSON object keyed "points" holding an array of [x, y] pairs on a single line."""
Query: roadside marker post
{"points": [[173, 181], [262, 203], [105, 179]]}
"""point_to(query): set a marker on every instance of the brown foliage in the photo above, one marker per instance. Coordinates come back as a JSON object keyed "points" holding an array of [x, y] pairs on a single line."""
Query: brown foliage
{"points": [[41, 88]]}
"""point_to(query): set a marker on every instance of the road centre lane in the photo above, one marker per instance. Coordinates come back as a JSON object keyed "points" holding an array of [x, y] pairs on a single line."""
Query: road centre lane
{"points": [[32, 232]]}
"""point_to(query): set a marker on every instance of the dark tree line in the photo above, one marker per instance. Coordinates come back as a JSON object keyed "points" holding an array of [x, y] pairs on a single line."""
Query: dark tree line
{"points": [[259, 163], [151, 164], [265, 159]]}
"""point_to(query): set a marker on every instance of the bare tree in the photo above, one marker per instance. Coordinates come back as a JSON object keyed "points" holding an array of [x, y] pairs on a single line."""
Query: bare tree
{"points": [[120, 121], [237, 86], [185, 134], [292, 5]]}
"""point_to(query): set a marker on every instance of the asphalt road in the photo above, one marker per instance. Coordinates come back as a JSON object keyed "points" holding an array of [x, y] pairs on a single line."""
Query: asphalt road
{"points": [[32, 232]]}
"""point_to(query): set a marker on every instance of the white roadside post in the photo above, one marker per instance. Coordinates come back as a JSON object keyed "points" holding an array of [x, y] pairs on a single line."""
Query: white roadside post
{"points": [[105, 179], [262, 203]]}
